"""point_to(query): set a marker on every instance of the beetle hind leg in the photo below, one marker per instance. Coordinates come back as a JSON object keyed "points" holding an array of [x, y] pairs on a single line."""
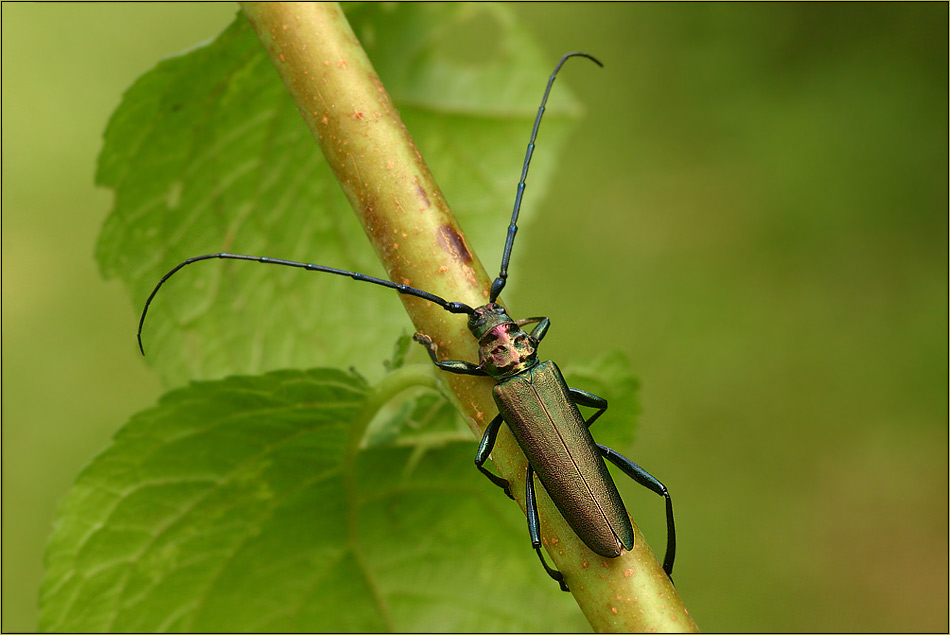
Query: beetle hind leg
{"points": [[534, 529], [556, 575], [650, 482]]}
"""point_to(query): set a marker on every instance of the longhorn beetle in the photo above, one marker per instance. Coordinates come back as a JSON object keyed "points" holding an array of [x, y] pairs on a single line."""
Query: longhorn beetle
{"points": [[532, 398]]}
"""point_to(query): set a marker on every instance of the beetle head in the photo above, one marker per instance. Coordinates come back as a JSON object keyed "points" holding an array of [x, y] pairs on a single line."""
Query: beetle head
{"points": [[487, 317]]}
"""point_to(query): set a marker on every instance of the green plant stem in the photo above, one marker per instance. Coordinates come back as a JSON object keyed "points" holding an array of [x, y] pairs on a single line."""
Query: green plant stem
{"points": [[420, 243]]}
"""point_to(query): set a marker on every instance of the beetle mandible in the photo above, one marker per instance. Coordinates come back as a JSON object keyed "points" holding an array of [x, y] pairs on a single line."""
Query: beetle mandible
{"points": [[532, 397]]}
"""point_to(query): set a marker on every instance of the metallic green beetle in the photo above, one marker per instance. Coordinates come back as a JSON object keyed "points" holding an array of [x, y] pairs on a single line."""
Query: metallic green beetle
{"points": [[532, 398], [541, 410]]}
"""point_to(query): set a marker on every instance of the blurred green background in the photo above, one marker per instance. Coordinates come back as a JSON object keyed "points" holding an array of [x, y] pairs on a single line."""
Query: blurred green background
{"points": [[754, 209]]}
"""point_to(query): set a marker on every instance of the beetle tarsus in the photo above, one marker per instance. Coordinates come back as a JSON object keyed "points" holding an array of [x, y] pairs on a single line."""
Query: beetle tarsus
{"points": [[556, 575]]}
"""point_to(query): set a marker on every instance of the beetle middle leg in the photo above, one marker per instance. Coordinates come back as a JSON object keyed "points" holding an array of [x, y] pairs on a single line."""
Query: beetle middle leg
{"points": [[485, 447], [487, 443], [589, 399]]}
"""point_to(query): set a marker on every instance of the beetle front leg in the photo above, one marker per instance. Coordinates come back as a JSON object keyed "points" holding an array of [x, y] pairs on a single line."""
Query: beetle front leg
{"points": [[458, 367], [485, 446], [650, 482], [540, 330], [589, 399], [534, 528]]}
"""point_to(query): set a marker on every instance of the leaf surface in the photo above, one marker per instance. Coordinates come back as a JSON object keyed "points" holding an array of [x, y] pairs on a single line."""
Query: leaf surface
{"points": [[244, 504]]}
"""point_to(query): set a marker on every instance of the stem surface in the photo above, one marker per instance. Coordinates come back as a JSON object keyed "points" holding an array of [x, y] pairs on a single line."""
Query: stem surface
{"points": [[420, 243]]}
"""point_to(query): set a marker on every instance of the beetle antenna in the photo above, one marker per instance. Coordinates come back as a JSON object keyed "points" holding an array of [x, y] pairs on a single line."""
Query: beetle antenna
{"points": [[499, 282], [451, 307]]}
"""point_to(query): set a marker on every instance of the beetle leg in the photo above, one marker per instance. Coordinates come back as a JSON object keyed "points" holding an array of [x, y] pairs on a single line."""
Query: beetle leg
{"points": [[452, 366], [589, 399], [646, 479], [534, 528], [485, 447], [538, 332]]}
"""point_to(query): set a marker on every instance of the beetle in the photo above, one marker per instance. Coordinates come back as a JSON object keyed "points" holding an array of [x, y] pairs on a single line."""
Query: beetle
{"points": [[532, 397]]}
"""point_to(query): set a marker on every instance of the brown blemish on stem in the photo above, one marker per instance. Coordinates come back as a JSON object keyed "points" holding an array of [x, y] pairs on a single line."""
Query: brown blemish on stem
{"points": [[452, 242], [422, 194]]}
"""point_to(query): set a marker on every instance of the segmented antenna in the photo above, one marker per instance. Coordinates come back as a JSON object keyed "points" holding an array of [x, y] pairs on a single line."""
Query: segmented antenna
{"points": [[451, 307], [502, 278]]}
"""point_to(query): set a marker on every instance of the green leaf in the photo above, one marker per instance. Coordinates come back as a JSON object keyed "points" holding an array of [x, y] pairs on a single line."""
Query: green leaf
{"points": [[304, 501], [207, 153], [257, 504]]}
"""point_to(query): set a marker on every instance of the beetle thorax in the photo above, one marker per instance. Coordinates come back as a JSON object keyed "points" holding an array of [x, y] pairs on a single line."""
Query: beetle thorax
{"points": [[506, 350]]}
